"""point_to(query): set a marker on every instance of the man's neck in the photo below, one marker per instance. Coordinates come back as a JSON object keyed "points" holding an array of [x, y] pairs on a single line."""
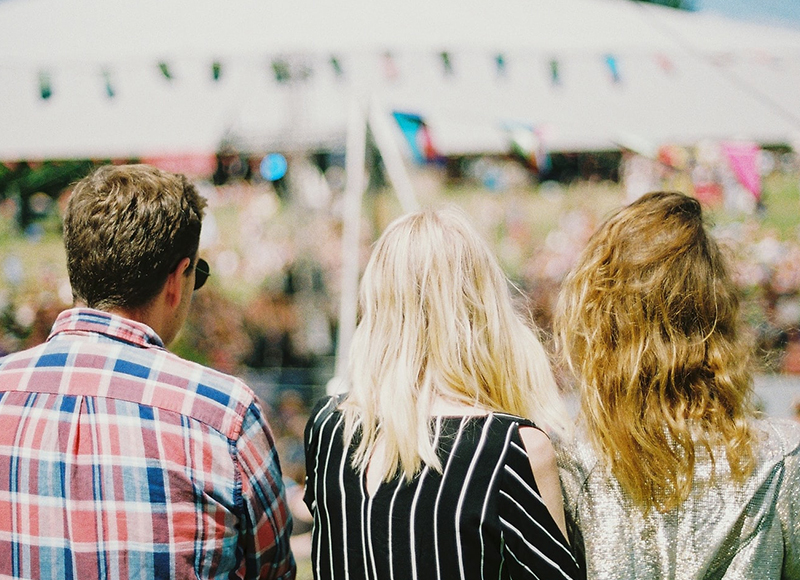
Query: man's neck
{"points": [[144, 315]]}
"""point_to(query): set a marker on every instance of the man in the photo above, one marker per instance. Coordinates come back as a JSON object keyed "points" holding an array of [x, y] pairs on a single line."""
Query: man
{"points": [[118, 459]]}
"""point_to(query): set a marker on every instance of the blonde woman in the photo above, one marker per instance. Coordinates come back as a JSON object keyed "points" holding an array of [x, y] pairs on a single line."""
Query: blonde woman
{"points": [[434, 464], [672, 474]]}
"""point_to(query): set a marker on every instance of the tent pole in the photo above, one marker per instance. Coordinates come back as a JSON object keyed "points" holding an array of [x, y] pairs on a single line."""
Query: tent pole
{"points": [[355, 166], [392, 158]]}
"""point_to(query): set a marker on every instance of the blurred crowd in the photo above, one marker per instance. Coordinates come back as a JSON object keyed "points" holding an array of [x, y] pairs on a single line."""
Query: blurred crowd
{"points": [[270, 309]]}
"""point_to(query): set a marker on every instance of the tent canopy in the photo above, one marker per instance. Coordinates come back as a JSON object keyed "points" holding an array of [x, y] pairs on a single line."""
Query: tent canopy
{"points": [[122, 78]]}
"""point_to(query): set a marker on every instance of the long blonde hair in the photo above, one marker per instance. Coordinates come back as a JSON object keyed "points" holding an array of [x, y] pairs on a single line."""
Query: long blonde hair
{"points": [[436, 319], [648, 321]]}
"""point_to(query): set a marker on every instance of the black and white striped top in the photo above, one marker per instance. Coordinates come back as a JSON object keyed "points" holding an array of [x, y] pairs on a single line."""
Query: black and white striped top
{"points": [[481, 518]]}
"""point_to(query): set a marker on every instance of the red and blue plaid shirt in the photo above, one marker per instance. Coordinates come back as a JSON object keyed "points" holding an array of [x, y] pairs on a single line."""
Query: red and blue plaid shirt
{"points": [[118, 459]]}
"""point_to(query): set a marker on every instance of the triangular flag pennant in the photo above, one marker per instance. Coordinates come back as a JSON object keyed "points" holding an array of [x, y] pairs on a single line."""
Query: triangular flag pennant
{"points": [[555, 73], [743, 160], [500, 64], [110, 92], [418, 136], [447, 63], [389, 66], [613, 67], [337, 67], [281, 70], [45, 87], [165, 71]]}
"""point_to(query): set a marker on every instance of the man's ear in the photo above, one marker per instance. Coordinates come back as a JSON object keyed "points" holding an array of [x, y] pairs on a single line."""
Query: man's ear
{"points": [[173, 289]]}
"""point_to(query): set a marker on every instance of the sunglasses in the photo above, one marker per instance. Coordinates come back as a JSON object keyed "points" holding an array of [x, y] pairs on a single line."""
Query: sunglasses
{"points": [[201, 273]]}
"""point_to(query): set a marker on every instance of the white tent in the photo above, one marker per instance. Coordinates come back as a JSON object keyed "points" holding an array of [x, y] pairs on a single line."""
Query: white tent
{"points": [[583, 74]]}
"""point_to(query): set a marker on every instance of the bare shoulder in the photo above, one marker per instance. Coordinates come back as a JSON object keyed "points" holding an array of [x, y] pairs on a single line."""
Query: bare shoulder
{"points": [[540, 450], [542, 457]]}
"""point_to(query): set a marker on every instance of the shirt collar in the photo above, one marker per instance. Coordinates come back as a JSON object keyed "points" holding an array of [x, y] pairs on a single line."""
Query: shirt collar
{"points": [[83, 320]]}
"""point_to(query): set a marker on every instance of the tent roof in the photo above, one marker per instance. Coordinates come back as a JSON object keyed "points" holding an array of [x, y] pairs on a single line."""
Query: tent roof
{"points": [[99, 30], [48, 31], [681, 76]]}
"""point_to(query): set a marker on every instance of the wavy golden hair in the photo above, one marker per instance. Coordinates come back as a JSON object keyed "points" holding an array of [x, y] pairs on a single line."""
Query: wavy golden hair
{"points": [[648, 321], [436, 319]]}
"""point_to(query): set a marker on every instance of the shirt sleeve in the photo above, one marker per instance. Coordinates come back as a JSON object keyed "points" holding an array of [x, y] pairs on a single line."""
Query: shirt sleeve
{"points": [[534, 546], [789, 512], [267, 526]]}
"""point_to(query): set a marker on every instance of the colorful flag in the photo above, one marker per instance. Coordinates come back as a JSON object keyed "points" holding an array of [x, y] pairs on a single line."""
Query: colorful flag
{"points": [[743, 158], [417, 135]]}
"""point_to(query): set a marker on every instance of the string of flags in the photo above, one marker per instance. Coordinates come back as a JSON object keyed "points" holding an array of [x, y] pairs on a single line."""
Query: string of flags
{"points": [[287, 70]]}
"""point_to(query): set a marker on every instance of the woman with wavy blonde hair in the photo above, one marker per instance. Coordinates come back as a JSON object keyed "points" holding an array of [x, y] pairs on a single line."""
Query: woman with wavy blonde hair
{"points": [[672, 475], [432, 466]]}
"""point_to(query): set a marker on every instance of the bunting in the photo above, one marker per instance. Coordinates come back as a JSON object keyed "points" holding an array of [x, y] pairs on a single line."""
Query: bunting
{"points": [[447, 63], [280, 70], [288, 69], [613, 68], [165, 71], [336, 64], [500, 64], [45, 88], [555, 73], [110, 92], [390, 66]]}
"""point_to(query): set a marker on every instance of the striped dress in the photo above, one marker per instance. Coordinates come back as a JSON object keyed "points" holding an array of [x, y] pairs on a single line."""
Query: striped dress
{"points": [[481, 518]]}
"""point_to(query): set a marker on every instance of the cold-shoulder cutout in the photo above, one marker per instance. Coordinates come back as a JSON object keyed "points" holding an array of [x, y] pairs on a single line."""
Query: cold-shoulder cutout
{"points": [[542, 457]]}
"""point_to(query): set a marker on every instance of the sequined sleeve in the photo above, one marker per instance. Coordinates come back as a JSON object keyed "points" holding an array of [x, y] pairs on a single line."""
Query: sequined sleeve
{"points": [[573, 477], [789, 512]]}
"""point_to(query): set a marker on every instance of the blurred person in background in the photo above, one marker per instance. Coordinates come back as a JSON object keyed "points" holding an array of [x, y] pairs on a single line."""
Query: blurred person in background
{"points": [[118, 458], [435, 464], [672, 474]]}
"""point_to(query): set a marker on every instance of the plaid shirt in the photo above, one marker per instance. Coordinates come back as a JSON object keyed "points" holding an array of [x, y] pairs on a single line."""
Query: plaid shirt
{"points": [[119, 459]]}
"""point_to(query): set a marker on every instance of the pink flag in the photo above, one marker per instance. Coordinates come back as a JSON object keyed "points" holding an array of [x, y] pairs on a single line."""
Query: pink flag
{"points": [[743, 160]]}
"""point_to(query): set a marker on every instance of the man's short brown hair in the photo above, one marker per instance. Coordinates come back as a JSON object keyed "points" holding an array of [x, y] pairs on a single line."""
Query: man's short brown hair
{"points": [[126, 228]]}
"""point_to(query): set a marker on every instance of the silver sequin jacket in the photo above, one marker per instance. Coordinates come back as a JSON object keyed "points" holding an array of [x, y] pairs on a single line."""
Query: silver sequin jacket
{"points": [[748, 532]]}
